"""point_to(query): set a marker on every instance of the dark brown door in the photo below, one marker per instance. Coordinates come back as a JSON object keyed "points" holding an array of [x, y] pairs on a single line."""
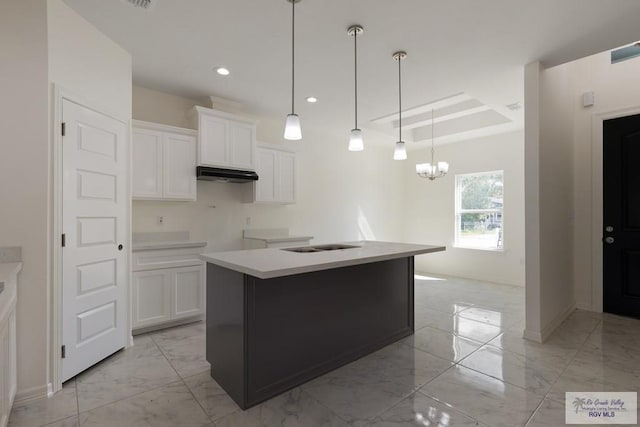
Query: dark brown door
{"points": [[621, 152]]}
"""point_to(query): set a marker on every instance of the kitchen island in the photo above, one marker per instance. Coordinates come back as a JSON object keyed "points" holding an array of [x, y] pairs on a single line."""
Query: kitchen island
{"points": [[277, 318]]}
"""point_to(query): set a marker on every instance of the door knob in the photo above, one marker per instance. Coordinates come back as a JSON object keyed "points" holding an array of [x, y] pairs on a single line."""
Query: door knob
{"points": [[120, 247], [609, 240]]}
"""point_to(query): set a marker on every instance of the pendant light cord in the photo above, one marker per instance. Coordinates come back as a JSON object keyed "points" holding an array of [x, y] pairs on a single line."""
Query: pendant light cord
{"points": [[293, 54], [399, 98], [355, 60]]}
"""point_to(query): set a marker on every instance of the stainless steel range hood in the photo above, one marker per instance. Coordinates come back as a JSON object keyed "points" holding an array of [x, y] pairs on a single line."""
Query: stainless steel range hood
{"points": [[205, 173]]}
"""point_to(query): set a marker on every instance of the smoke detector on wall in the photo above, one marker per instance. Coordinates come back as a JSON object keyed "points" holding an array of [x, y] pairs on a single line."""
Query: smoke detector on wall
{"points": [[144, 4]]}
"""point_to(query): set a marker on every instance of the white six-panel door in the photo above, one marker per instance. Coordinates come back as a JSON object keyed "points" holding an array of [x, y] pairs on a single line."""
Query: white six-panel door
{"points": [[95, 161]]}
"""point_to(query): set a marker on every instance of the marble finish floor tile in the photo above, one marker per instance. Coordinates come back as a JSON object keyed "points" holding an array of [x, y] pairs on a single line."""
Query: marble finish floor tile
{"points": [[295, 408], [169, 406], [442, 344], [597, 371], [185, 348], [366, 387], [455, 324], [497, 318], [62, 405], [533, 375], [420, 410], [67, 422], [482, 397], [129, 372], [560, 352], [442, 304], [213, 399]]}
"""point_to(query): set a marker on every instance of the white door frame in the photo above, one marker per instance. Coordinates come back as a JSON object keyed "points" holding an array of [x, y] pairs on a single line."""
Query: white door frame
{"points": [[597, 194], [55, 300]]}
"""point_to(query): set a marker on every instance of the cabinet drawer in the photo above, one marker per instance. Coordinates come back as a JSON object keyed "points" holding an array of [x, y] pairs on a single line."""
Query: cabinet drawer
{"points": [[166, 258]]}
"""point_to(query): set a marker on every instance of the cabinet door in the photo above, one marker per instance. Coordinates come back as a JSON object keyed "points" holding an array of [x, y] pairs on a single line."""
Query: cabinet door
{"points": [[151, 298], [242, 143], [286, 178], [147, 164], [266, 169], [214, 142], [5, 373], [179, 167], [187, 284], [13, 358]]}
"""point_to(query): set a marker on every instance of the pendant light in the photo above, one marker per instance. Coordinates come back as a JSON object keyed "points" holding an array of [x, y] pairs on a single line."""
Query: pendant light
{"points": [[292, 130], [400, 151], [356, 142], [432, 170]]}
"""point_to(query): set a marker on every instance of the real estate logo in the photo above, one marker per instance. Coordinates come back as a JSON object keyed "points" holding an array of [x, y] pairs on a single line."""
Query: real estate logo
{"points": [[601, 407]]}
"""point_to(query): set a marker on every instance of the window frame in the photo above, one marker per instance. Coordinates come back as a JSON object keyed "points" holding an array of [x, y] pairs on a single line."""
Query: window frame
{"points": [[458, 211]]}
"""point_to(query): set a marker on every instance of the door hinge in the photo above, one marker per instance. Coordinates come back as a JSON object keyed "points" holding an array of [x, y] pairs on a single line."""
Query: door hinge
{"points": [[64, 240], [64, 129], [63, 351]]}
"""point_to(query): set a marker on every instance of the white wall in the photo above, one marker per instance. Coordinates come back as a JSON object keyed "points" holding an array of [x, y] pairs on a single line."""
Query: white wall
{"points": [[44, 42], [616, 90], [341, 195], [549, 199], [430, 209], [570, 182], [83, 62], [24, 175]]}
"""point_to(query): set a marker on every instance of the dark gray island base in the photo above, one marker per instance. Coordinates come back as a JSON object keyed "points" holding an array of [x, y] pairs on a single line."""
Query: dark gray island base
{"points": [[266, 336]]}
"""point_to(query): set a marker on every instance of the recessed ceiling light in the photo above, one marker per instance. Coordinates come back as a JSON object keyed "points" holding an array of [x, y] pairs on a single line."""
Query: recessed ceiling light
{"points": [[222, 71], [312, 99]]}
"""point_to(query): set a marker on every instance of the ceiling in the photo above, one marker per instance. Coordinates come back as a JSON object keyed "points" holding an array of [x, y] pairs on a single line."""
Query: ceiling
{"points": [[476, 48]]}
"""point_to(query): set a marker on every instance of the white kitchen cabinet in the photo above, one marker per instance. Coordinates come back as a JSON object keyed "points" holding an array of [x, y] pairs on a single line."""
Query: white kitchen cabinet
{"points": [[8, 360], [151, 297], [276, 176], [168, 287], [164, 162], [225, 140]]}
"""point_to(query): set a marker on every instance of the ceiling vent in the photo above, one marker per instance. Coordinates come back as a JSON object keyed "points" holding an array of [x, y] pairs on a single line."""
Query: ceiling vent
{"points": [[144, 4]]}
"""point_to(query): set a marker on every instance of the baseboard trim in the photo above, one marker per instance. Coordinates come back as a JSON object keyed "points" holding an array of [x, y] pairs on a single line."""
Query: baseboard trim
{"points": [[532, 335], [586, 307], [542, 336], [551, 327], [32, 394]]}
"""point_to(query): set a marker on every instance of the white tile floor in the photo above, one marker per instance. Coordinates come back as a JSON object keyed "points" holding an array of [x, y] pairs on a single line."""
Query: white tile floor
{"points": [[466, 365]]}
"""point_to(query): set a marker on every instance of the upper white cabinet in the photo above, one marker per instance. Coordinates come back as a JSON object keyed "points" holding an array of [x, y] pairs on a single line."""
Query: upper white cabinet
{"points": [[225, 140], [164, 162], [276, 176]]}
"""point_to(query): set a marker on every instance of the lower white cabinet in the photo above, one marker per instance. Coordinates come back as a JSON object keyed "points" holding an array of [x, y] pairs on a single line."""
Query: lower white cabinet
{"points": [[8, 360], [276, 176], [167, 295], [8, 369]]}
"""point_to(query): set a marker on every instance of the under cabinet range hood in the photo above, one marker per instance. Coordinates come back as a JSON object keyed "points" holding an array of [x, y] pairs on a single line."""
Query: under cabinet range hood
{"points": [[205, 173]]}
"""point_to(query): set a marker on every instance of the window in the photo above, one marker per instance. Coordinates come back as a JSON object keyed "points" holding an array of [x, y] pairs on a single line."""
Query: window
{"points": [[479, 210]]}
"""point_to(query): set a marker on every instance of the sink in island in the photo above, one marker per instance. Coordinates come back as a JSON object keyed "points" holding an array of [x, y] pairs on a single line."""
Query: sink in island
{"points": [[278, 318]]}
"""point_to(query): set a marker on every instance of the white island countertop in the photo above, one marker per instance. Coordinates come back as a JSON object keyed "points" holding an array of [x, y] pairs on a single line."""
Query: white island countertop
{"points": [[276, 262]]}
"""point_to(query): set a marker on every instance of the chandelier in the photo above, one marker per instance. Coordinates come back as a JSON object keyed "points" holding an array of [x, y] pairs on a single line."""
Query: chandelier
{"points": [[432, 170]]}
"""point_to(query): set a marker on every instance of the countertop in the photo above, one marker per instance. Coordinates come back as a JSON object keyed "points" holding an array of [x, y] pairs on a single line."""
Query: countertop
{"points": [[9, 269], [8, 288], [273, 235], [275, 262]]}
